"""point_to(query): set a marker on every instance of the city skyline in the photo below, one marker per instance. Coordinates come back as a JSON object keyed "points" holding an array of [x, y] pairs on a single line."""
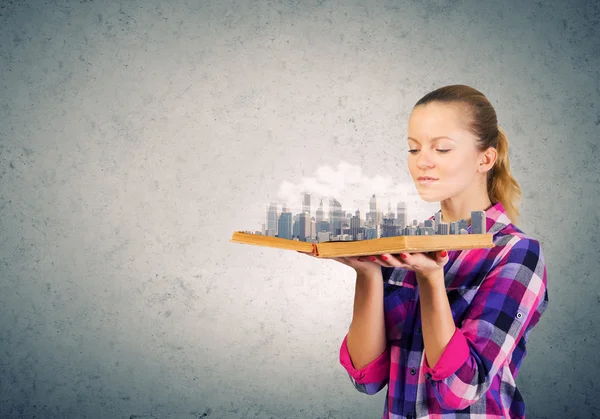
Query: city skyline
{"points": [[335, 223]]}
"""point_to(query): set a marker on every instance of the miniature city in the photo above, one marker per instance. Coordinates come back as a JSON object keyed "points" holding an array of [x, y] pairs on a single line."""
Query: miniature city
{"points": [[343, 226]]}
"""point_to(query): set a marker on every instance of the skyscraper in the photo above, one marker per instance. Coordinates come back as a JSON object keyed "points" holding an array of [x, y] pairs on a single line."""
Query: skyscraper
{"points": [[438, 219], [355, 225], [319, 213], [402, 216], [336, 216], [284, 225], [306, 202], [374, 211], [303, 226], [454, 227], [272, 219], [478, 222]]}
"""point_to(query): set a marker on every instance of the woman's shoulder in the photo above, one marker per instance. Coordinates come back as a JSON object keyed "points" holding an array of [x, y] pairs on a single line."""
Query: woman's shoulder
{"points": [[511, 236], [505, 233]]}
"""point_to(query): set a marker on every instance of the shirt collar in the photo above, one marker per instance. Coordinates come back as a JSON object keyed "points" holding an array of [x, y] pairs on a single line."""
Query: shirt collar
{"points": [[495, 216]]}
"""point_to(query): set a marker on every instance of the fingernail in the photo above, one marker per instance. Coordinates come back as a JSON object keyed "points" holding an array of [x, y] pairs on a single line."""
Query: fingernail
{"points": [[403, 255], [359, 259], [383, 257], [444, 253], [371, 257]]}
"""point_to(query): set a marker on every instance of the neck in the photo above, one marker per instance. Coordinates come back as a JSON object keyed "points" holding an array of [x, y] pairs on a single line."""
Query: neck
{"points": [[460, 207]]}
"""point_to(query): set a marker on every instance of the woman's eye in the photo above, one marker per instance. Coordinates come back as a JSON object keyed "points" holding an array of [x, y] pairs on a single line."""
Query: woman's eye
{"points": [[443, 151], [412, 151]]}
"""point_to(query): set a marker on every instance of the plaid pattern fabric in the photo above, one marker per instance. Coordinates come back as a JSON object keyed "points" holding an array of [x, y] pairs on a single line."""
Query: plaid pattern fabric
{"points": [[496, 296]]}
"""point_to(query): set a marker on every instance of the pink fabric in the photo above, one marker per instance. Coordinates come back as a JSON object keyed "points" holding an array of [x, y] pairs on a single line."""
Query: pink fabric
{"points": [[377, 370], [454, 356]]}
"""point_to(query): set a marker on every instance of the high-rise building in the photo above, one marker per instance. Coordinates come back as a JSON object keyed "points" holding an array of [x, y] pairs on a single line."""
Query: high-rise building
{"points": [[370, 233], [438, 219], [454, 227], [336, 216], [355, 226], [272, 219], [323, 236], [442, 228], [323, 226], [374, 211], [391, 214], [402, 217], [284, 225], [319, 213], [388, 229], [296, 225], [303, 227], [478, 222], [306, 202]]}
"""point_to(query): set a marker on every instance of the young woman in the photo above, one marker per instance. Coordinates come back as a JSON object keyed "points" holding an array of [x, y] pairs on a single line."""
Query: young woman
{"points": [[446, 332]]}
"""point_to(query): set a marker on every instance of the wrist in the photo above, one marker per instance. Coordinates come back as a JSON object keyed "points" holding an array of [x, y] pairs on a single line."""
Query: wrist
{"points": [[431, 278]]}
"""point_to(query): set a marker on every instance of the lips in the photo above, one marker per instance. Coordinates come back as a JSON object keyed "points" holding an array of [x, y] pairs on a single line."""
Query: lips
{"points": [[425, 178]]}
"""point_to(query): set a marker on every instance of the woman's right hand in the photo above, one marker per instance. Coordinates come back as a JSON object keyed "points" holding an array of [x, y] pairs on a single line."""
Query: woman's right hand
{"points": [[361, 264]]}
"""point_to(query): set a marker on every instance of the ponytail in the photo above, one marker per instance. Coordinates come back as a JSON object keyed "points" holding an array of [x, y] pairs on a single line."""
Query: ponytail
{"points": [[502, 186]]}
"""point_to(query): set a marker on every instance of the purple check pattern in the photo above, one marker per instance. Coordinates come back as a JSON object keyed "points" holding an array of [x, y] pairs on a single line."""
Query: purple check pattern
{"points": [[496, 296]]}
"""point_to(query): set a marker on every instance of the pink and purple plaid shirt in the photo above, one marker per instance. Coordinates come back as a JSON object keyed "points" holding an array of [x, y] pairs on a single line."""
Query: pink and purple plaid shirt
{"points": [[497, 296]]}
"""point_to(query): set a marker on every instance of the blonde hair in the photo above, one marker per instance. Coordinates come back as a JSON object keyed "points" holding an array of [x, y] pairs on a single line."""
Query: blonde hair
{"points": [[481, 120]]}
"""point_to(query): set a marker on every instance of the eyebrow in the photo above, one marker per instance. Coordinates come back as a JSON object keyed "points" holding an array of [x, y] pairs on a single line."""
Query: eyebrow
{"points": [[433, 139]]}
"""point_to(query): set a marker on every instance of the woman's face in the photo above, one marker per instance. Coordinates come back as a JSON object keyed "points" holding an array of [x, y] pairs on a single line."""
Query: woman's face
{"points": [[440, 147]]}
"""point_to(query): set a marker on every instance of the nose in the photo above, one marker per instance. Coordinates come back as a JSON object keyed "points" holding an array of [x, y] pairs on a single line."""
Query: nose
{"points": [[424, 160]]}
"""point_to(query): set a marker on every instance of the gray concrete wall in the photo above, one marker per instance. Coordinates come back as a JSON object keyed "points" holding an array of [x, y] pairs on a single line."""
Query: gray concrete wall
{"points": [[137, 136]]}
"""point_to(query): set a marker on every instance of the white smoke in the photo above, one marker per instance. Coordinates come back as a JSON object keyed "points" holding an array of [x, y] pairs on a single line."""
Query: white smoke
{"points": [[353, 189]]}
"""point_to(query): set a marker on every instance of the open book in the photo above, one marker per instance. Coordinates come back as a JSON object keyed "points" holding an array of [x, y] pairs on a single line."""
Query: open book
{"points": [[397, 244]]}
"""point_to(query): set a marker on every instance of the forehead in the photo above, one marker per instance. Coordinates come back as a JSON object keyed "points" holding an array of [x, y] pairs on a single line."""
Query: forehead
{"points": [[435, 120]]}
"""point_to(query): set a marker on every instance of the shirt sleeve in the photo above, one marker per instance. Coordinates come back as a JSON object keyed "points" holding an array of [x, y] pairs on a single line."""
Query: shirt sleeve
{"points": [[371, 378], [509, 303]]}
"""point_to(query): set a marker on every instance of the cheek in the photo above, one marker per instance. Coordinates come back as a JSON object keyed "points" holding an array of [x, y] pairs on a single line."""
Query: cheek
{"points": [[459, 170]]}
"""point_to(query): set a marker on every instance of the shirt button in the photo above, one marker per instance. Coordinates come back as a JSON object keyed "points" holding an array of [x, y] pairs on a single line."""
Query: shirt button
{"points": [[413, 371]]}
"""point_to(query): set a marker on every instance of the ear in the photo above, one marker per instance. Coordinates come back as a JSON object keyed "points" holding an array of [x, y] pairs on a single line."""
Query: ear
{"points": [[487, 159]]}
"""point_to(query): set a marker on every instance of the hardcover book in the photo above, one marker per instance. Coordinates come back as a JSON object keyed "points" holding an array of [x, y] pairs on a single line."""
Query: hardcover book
{"points": [[392, 245]]}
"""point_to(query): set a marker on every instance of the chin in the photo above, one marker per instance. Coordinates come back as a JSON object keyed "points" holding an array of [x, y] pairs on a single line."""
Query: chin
{"points": [[430, 196]]}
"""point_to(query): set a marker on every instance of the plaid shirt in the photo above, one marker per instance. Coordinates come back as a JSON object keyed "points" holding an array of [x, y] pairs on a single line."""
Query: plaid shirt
{"points": [[496, 296]]}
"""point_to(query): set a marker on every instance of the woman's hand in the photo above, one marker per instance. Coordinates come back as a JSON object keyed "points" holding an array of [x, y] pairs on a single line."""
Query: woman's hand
{"points": [[423, 264], [361, 264]]}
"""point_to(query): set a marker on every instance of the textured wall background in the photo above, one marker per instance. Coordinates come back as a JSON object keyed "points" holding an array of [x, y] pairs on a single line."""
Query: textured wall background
{"points": [[137, 136]]}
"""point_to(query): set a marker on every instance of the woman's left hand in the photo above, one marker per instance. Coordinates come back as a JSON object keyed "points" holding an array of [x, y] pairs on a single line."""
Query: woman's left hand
{"points": [[424, 264]]}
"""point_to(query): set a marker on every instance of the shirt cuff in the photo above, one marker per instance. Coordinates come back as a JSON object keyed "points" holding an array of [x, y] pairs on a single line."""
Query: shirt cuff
{"points": [[454, 356], [377, 370]]}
